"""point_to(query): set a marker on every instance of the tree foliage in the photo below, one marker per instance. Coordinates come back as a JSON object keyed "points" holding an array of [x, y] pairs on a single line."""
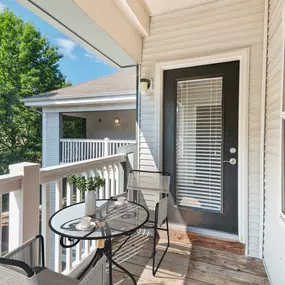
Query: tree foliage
{"points": [[28, 66], [74, 127]]}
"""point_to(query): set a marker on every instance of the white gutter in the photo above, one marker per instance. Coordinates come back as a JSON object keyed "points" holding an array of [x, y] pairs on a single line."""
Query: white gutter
{"points": [[81, 101]]}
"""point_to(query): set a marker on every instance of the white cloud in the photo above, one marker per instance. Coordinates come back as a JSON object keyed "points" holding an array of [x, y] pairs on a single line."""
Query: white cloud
{"points": [[66, 47], [2, 7], [93, 57]]}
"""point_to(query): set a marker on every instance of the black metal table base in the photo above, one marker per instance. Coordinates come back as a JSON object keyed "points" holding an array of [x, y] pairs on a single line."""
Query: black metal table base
{"points": [[107, 250]]}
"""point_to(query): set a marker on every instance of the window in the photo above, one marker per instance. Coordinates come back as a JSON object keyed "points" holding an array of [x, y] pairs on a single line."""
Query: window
{"points": [[199, 144]]}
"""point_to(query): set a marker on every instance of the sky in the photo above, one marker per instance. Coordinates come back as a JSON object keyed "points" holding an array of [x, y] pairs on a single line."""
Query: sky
{"points": [[78, 64]]}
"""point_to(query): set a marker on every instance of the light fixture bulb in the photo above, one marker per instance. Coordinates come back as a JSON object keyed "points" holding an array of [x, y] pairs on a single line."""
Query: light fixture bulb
{"points": [[145, 85], [117, 121]]}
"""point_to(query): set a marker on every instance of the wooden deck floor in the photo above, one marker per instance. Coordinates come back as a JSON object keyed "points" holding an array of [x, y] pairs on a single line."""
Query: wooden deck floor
{"points": [[186, 264]]}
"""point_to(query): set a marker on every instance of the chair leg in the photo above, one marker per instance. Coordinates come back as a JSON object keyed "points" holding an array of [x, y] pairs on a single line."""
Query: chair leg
{"points": [[122, 244], [154, 269]]}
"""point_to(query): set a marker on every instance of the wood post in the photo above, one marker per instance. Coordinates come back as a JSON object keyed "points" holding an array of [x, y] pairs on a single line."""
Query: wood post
{"points": [[106, 146], [24, 204], [44, 223]]}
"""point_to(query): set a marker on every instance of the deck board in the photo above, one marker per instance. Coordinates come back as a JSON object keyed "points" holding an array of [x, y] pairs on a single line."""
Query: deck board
{"points": [[185, 264]]}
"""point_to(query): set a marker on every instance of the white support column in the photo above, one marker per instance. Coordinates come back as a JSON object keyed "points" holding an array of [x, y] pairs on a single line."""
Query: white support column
{"points": [[69, 200], [112, 169], [24, 205], [58, 249], [121, 175], [52, 133], [45, 218], [106, 146]]}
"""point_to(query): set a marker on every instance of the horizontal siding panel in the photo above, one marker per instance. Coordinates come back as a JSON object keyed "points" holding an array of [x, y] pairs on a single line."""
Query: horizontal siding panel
{"points": [[229, 12], [219, 44], [205, 27], [254, 233], [195, 40], [275, 12], [199, 9]]}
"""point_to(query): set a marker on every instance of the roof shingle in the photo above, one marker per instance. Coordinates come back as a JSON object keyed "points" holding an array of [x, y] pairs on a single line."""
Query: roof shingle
{"points": [[123, 82]]}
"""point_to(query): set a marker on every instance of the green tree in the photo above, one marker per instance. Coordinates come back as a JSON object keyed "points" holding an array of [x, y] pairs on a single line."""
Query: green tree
{"points": [[74, 128], [28, 66]]}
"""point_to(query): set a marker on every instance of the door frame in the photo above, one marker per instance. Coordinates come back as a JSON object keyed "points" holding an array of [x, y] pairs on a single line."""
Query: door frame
{"points": [[241, 55]]}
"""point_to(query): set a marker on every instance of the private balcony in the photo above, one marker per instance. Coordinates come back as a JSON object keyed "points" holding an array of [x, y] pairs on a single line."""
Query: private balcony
{"points": [[191, 259]]}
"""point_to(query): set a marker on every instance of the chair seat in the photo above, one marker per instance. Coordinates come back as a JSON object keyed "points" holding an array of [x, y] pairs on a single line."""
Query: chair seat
{"points": [[47, 277]]}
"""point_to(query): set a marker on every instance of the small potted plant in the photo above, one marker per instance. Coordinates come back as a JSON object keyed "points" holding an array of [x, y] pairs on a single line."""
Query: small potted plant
{"points": [[88, 185]]}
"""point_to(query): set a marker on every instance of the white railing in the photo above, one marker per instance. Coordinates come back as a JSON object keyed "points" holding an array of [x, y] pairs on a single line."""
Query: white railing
{"points": [[22, 218], [23, 185], [8, 183], [51, 179], [73, 150]]}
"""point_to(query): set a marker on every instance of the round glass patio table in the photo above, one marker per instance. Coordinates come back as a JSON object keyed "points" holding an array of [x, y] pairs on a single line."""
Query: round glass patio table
{"points": [[111, 220]]}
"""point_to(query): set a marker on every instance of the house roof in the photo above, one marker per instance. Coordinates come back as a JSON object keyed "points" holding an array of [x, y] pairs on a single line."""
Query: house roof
{"points": [[111, 85]]}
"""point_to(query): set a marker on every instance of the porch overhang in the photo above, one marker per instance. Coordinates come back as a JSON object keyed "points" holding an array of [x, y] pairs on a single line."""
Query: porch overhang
{"points": [[116, 99], [104, 35]]}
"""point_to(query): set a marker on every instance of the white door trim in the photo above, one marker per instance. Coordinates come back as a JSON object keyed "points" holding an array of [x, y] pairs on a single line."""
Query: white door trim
{"points": [[241, 55]]}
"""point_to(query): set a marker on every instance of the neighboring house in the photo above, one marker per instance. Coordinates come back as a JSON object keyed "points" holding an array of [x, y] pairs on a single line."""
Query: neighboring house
{"points": [[107, 109], [213, 117]]}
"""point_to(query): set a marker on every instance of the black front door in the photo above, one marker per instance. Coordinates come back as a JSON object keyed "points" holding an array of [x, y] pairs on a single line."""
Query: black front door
{"points": [[200, 144]]}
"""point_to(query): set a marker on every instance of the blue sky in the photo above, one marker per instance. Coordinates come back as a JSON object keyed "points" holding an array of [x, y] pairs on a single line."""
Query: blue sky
{"points": [[78, 64]]}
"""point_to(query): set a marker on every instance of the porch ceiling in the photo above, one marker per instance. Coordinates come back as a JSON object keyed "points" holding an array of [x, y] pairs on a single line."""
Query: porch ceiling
{"points": [[162, 6], [62, 14]]}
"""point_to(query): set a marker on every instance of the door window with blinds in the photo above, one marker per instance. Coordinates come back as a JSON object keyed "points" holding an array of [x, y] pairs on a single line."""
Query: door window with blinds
{"points": [[199, 143]]}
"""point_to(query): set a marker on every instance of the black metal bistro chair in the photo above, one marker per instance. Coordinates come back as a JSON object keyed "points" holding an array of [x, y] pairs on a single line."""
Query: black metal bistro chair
{"points": [[150, 189], [25, 265]]}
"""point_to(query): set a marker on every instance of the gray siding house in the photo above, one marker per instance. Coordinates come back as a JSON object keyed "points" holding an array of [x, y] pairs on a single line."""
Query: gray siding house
{"points": [[99, 104]]}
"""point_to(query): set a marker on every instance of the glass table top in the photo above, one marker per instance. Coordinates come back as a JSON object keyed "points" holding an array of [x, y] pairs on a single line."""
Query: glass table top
{"points": [[111, 220]]}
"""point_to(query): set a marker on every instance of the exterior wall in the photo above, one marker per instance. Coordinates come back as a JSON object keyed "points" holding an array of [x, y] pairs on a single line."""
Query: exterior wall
{"points": [[207, 29], [51, 136], [274, 227], [107, 128]]}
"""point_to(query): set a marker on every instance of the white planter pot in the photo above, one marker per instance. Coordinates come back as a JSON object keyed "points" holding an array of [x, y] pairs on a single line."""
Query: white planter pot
{"points": [[90, 203]]}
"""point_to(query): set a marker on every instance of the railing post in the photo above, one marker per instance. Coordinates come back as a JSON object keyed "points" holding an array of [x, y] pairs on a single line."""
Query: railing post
{"points": [[24, 204], [106, 146]]}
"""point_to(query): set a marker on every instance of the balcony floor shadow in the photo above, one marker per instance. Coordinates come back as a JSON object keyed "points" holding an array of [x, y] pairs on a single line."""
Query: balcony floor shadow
{"points": [[185, 263]]}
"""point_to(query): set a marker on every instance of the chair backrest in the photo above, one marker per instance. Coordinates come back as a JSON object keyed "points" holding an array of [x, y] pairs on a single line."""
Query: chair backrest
{"points": [[14, 272], [16, 266], [97, 275], [148, 187], [31, 252]]}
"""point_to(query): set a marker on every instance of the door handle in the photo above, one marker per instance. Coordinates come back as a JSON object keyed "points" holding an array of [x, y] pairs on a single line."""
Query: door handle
{"points": [[232, 161]]}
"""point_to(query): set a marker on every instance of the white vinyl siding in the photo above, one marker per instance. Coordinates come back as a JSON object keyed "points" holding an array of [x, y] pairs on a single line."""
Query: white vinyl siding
{"points": [[51, 136], [208, 29], [274, 232]]}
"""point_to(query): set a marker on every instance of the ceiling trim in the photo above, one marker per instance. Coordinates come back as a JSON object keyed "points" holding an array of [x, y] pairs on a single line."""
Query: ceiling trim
{"points": [[192, 4]]}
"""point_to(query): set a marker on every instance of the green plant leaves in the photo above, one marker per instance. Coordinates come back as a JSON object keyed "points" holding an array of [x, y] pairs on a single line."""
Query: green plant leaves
{"points": [[86, 184]]}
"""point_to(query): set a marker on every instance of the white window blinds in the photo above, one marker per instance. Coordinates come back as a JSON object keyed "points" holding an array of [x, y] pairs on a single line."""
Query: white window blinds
{"points": [[199, 143]]}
